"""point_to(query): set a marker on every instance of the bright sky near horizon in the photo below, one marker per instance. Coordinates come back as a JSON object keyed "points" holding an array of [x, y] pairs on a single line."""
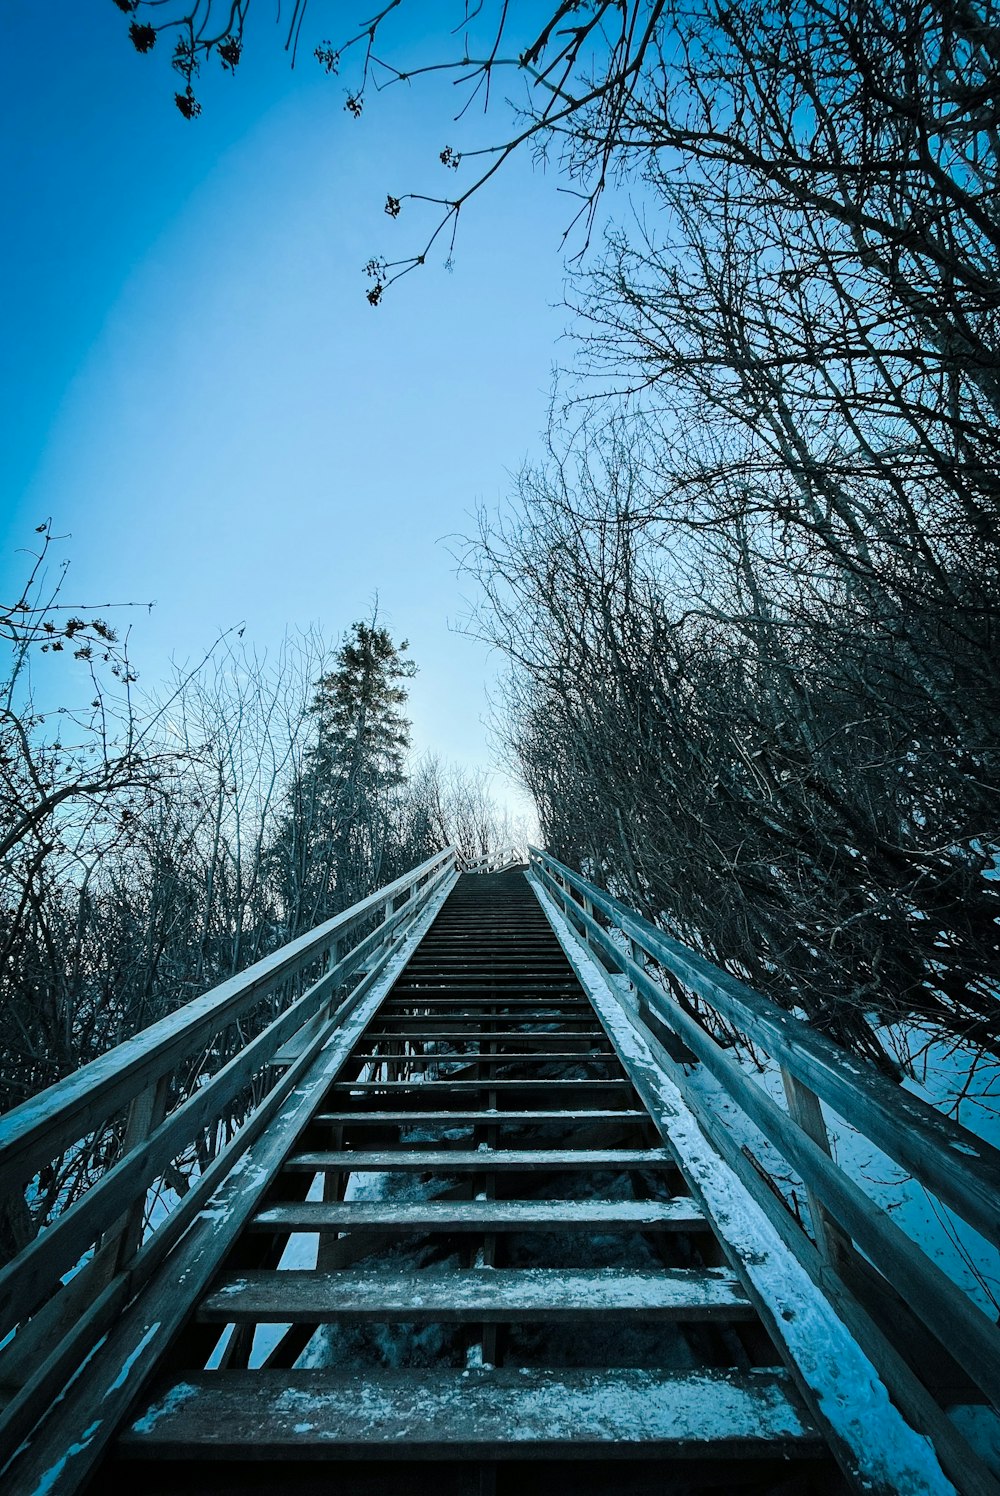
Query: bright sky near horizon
{"points": [[195, 388]]}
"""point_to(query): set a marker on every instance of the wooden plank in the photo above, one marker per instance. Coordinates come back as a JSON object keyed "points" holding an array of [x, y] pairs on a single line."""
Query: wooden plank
{"points": [[35, 1132], [956, 1165], [470, 1119], [521, 991], [677, 1214], [450, 1161], [555, 1087], [485, 1057], [502, 961], [488, 1296], [480, 1034], [460, 1025], [527, 1009], [805, 1109], [500, 1414]]}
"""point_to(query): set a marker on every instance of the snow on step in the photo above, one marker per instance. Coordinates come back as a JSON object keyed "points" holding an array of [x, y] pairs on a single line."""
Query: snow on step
{"points": [[680, 1214], [481, 1294], [453, 1160], [527, 1414]]}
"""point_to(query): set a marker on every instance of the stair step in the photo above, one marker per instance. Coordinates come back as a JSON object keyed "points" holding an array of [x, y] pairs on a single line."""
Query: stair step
{"points": [[480, 1295], [535, 964], [517, 987], [487, 1057], [500, 1007], [466, 1087], [678, 1214], [448, 979], [476, 1119], [475, 1034], [457, 1024], [478, 1414], [451, 1161]]}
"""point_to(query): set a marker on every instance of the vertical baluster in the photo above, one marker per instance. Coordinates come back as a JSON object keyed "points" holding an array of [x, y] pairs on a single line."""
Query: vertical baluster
{"points": [[804, 1108], [124, 1237]]}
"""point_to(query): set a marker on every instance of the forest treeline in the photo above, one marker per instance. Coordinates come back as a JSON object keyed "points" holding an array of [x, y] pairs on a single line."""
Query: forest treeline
{"points": [[750, 599], [154, 847]]}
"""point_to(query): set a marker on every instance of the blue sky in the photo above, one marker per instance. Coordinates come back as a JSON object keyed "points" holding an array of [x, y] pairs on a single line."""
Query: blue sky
{"points": [[195, 388]]}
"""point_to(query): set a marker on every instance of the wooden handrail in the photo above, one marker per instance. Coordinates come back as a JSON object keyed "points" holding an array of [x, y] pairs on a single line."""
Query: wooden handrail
{"points": [[39, 1129], [63, 1291], [107, 1221], [956, 1165], [959, 1167], [494, 862]]}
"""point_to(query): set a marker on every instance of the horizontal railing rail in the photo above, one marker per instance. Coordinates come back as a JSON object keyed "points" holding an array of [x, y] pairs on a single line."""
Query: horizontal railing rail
{"points": [[495, 862], [278, 1013], [34, 1132], [955, 1165]]}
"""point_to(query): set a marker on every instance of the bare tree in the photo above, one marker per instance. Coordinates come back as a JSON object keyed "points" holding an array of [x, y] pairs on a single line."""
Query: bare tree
{"points": [[462, 809], [733, 737]]}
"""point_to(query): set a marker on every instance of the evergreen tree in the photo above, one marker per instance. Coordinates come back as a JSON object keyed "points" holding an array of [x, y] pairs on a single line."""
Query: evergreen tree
{"points": [[338, 837]]}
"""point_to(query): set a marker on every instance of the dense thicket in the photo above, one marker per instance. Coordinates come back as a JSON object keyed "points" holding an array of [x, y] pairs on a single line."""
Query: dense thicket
{"points": [[754, 618]]}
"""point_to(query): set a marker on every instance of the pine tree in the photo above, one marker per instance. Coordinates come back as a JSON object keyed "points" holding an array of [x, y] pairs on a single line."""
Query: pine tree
{"points": [[336, 838]]}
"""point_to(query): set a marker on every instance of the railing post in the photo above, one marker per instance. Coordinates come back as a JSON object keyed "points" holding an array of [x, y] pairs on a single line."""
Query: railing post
{"points": [[145, 1114], [805, 1109]]}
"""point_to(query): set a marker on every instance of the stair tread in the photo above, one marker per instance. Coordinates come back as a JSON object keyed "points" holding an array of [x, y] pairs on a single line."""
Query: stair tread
{"points": [[425, 1159], [477, 1033], [441, 1087], [478, 1413], [479, 1118], [678, 1213], [485, 1056], [481, 1294]]}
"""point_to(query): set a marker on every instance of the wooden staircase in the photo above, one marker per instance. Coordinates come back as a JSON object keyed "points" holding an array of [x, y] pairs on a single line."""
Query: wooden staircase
{"points": [[528, 1212], [464, 1201]]}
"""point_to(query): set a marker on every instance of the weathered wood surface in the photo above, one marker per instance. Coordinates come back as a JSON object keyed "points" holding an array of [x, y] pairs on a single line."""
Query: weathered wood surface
{"points": [[483, 1010], [445, 1161], [956, 1165], [480, 1036], [405, 1024], [497, 1296], [487, 1115], [486, 1057], [556, 1087], [677, 1214], [196, 1424], [476, 1415], [512, 963]]}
